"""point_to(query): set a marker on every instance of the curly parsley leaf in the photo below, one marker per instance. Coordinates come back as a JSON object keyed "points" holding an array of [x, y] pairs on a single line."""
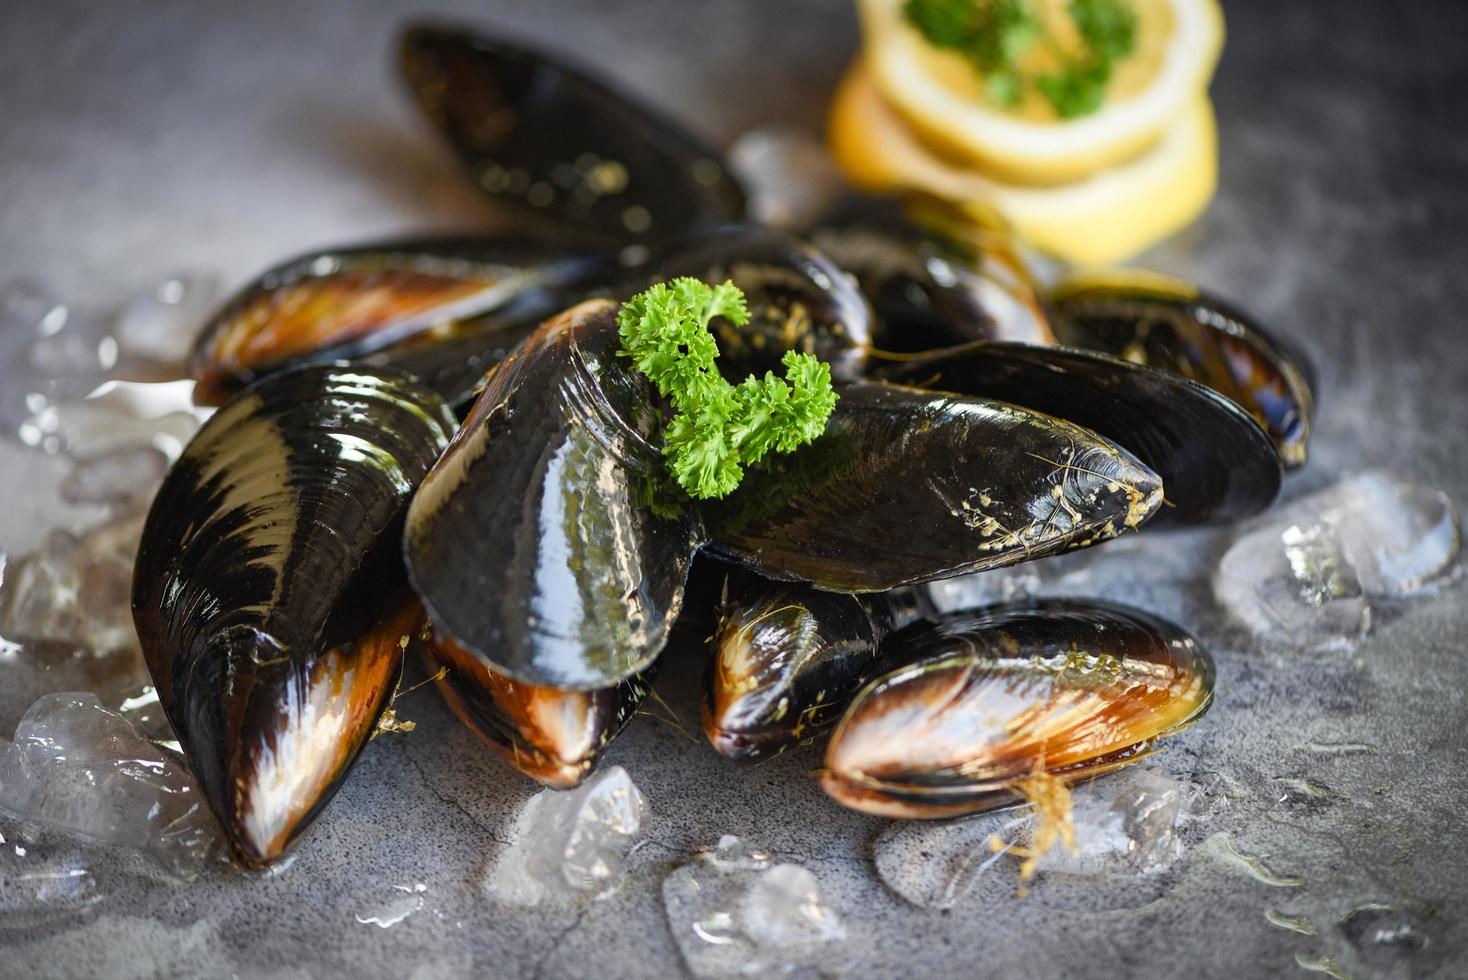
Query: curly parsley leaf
{"points": [[718, 428], [994, 35]]}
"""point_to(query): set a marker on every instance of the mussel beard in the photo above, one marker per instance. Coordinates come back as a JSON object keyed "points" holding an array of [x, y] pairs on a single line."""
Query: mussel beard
{"points": [[547, 542], [552, 735], [1069, 688], [268, 591]]}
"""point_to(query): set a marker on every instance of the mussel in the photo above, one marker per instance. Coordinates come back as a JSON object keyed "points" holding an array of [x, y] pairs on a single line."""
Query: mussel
{"points": [[561, 147], [1214, 459], [435, 308], [787, 658], [269, 593], [1066, 687], [798, 300], [552, 735], [1172, 325], [545, 542], [929, 291], [907, 486]]}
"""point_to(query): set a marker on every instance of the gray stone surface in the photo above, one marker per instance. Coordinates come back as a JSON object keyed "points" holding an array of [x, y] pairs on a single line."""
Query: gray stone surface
{"points": [[137, 139]]}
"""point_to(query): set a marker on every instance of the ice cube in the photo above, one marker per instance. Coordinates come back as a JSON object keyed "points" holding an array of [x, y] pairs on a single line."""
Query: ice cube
{"points": [[159, 324], [1292, 584], [1125, 826], [935, 864], [73, 354], [74, 590], [75, 766], [40, 878], [1306, 575], [1124, 823], [734, 913], [403, 902], [790, 177], [126, 478], [570, 842], [1400, 536], [116, 415]]}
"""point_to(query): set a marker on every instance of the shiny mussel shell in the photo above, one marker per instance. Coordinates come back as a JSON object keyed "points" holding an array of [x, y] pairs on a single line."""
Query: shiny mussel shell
{"points": [[269, 594], [1170, 324], [929, 292], [1215, 461], [798, 300], [389, 303], [906, 486], [788, 658], [1072, 688], [541, 542], [560, 146], [552, 735]]}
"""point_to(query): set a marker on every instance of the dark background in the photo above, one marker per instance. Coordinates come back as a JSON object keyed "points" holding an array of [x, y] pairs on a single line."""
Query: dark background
{"points": [[138, 139]]}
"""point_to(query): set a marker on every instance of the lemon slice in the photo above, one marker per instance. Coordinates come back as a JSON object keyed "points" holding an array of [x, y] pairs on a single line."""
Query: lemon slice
{"points": [[939, 92], [1105, 218]]}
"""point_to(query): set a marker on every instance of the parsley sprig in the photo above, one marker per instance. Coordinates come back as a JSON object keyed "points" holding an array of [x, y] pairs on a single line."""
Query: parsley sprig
{"points": [[717, 427], [994, 36]]}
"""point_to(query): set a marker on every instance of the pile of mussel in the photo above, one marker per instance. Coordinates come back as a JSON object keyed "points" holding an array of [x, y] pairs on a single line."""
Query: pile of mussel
{"points": [[434, 446]]}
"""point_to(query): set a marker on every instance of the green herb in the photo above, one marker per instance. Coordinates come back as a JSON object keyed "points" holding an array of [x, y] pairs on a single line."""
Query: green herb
{"points": [[994, 36], [718, 428]]}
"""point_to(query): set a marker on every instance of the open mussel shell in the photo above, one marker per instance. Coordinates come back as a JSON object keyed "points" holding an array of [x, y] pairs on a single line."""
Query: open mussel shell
{"points": [[1170, 324], [561, 147], [269, 593], [546, 541], [930, 292], [1068, 687], [907, 486], [1215, 461], [787, 658], [553, 735], [798, 300], [372, 300]]}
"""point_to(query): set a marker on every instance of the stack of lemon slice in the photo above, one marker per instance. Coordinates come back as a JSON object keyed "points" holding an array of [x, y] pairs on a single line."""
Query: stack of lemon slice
{"points": [[1091, 190]]}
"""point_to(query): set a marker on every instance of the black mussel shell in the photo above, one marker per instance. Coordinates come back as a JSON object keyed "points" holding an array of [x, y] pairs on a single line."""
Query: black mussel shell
{"points": [[393, 301], [269, 593], [553, 735], [1169, 324], [1215, 461], [798, 300], [930, 292], [787, 658], [563, 148], [546, 542], [907, 486], [1071, 688]]}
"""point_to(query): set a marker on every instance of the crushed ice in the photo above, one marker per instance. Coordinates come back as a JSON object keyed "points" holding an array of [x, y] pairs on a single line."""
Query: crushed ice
{"points": [[405, 900], [570, 843], [1126, 826], [1306, 576], [75, 766], [734, 912]]}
